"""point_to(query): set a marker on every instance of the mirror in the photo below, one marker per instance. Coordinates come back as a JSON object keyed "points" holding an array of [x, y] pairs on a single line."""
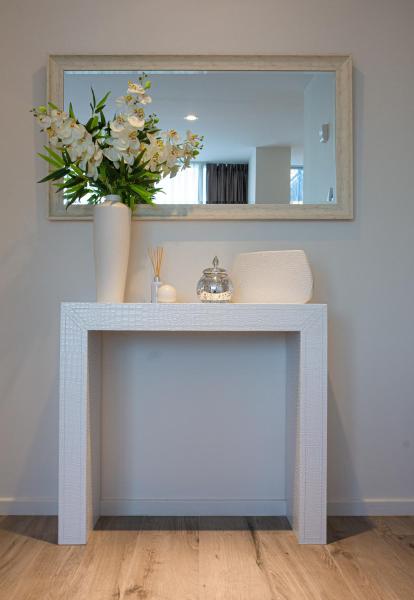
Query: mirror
{"points": [[277, 131]]}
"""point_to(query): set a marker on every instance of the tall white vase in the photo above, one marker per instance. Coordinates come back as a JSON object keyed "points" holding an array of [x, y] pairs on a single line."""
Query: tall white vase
{"points": [[111, 239]]}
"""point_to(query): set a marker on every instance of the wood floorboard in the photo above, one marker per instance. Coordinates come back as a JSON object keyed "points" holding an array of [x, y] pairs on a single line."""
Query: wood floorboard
{"points": [[207, 558]]}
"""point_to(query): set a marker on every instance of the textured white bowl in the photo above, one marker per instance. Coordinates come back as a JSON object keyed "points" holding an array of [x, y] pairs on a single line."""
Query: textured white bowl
{"points": [[282, 276]]}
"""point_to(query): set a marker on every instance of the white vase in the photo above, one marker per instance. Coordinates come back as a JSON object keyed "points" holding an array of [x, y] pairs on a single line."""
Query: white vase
{"points": [[111, 240]]}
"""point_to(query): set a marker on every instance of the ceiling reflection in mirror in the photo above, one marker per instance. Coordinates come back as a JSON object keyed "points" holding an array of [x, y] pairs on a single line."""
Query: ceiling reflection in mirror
{"points": [[269, 136]]}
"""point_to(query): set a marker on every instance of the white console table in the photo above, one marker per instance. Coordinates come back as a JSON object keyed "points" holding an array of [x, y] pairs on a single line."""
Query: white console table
{"points": [[80, 383]]}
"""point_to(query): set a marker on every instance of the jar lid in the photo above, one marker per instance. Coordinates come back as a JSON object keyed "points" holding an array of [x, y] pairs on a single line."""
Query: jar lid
{"points": [[215, 270]]}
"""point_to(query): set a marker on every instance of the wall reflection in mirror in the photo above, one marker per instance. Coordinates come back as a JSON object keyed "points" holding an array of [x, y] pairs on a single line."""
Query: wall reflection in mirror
{"points": [[269, 136]]}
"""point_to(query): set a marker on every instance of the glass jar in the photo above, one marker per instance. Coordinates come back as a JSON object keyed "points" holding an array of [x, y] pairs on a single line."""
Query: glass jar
{"points": [[215, 285]]}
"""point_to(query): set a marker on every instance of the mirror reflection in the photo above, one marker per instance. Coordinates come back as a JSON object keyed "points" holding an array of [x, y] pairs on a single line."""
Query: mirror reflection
{"points": [[269, 136]]}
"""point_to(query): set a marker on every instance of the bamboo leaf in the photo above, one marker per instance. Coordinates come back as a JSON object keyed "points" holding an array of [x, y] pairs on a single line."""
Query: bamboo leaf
{"points": [[50, 160], [141, 191], [92, 124], [101, 104], [71, 113], [102, 120], [53, 106], [74, 190], [71, 183], [78, 171], [54, 155], [66, 158], [54, 175]]}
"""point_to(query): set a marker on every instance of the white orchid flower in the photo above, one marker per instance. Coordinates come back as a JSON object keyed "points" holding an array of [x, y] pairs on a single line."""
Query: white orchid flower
{"points": [[135, 88], [119, 123], [112, 154], [129, 158], [173, 154], [53, 137], [59, 117], [70, 131], [174, 171], [193, 139], [83, 148], [136, 117], [127, 138], [94, 163], [171, 135], [127, 100], [44, 120], [145, 99], [156, 144], [154, 161], [133, 140]]}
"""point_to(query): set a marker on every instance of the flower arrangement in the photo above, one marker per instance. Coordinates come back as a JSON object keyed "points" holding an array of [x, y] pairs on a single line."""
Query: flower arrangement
{"points": [[127, 156]]}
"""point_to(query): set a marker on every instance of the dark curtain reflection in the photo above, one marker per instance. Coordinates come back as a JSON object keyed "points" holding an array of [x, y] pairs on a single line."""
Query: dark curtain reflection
{"points": [[227, 183]]}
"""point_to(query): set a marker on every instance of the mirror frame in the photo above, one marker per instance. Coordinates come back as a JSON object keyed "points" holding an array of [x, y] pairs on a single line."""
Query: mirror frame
{"points": [[341, 65]]}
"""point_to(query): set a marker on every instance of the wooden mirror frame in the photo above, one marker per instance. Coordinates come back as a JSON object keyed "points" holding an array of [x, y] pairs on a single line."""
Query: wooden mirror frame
{"points": [[341, 65]]}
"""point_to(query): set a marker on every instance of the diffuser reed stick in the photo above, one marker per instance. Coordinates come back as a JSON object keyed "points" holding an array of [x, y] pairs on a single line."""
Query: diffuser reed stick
{"points": [[156, 257]]}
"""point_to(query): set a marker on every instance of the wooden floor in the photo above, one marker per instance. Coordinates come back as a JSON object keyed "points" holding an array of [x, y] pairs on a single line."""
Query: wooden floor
{"points": [[207, 558]]}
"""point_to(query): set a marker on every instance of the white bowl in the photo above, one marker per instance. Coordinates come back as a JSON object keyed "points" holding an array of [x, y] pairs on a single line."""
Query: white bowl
{"points": [[282, 276]]}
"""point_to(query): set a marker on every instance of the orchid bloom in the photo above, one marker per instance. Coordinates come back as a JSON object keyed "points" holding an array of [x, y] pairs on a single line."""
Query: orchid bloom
{"points": [[135, 88], [136, 117]]}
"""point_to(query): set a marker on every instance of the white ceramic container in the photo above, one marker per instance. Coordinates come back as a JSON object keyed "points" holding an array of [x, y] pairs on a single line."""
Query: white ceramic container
{"points": [[111, 237], [282, 276]]}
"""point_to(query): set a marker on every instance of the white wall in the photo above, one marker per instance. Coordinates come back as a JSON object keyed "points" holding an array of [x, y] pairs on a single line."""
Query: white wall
{"points": [[214, 438], [319, 158], [273, 175], [363, 269], [251, 179]]}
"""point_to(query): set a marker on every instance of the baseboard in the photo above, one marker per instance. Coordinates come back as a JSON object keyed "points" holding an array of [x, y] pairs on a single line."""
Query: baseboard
{"points": [[128, 507], [192, 507], [28, 506], [371, 507]]}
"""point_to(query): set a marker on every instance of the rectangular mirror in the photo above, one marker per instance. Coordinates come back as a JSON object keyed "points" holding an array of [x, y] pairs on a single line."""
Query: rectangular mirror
{"points": [[277, 131]]}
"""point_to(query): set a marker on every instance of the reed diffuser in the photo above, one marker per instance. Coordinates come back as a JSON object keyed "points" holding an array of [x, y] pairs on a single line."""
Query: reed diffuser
{"points": [[156, 256]]}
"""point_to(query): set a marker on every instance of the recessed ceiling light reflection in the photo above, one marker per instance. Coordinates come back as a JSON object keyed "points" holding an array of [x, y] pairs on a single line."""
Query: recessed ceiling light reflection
{"points": [[191, 118]]}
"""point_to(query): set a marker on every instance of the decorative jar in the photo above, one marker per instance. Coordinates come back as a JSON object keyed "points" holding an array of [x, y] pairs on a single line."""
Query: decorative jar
{"points": [[215, 284]]}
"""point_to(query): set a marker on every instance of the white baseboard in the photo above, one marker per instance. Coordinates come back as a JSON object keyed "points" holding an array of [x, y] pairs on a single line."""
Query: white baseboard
{"points": [[372, 507], [118, 507], [208, 507], [28, 506]]}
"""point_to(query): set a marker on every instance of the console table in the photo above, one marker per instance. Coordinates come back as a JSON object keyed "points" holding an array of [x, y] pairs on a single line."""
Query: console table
{"points": [[80, 391]]}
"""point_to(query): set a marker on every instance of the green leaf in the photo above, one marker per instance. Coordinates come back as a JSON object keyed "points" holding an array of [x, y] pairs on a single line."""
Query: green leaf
{"points": [[78, 171], [93, 98], [70, 183], [54, 155], [53, 106], [66, 158], [92, 124], [93, 199], [71, 113], [141, 191], [101, 103], [50, 160], [102, 120], [74, 189], [54, 175], [70, 202]]}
